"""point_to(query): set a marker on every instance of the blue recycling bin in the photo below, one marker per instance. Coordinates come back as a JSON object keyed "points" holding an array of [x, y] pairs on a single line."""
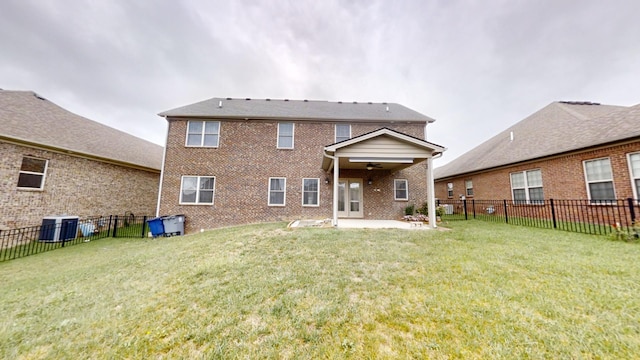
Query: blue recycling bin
{"points": [[156, 227]]}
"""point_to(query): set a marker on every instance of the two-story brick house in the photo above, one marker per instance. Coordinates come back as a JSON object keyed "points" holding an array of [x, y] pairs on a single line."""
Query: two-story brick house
{"points": [[55, 162], [237, 161], [566, 150]]}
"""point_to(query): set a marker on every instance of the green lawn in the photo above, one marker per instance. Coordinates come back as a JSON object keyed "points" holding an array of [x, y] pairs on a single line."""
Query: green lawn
{"points": [[479, 291]]}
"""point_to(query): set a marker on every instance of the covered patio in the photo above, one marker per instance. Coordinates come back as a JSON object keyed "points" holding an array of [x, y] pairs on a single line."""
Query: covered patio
{"points": [[383, 149]]}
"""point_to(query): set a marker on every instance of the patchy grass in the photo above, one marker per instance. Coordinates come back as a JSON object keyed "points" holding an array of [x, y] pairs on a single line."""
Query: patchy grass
{"points": [[481, 290]]}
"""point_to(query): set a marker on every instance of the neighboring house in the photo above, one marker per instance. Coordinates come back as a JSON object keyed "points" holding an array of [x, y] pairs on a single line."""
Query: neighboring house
{"points": [[237, 161], [566, 150], [55, 162]]}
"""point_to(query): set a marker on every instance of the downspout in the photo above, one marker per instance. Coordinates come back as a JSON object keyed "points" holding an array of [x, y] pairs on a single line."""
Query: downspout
{"points": [[334, 220], [164, 155]]}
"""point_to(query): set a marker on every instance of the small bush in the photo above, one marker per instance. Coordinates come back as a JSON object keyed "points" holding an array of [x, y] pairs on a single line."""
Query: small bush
{"points": [[409, 209]]}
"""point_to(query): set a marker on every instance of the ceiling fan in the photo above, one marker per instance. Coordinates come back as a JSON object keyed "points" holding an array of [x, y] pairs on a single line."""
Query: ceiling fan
{"points": [[371, 166]]}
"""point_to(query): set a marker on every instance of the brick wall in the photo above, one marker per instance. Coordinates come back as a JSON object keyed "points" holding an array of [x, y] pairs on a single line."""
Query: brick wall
{"points": [[73, 186], [247, 157], [562, 177]]}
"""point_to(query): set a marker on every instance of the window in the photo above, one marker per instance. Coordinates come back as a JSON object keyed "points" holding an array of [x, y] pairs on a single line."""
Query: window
{"points": [[343, 132], [285, 135], [310, 192], [400, 189], [197, 190], [469, 186], [32, 173], [634, 165], [277, 191], [526, 187], [203, 133], [599, 180], [449, 190]]}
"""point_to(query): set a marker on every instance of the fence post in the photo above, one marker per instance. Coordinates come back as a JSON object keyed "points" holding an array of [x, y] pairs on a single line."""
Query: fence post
{"points": [[473, 206], [506, 216], [464, 206], [632, 210], [115, 226], [144, 225], [109, 226], [553, 214]]}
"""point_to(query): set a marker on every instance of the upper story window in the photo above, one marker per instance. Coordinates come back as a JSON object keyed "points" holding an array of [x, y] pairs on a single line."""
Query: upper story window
{"points": [[343, 132], [203, 133], [400, 189], [634, 166], [599, 178], [197, 190], [469, 186], [32, 173], [526, 187], [310, 192], [277, 191], [449, 190], [285, 135]]}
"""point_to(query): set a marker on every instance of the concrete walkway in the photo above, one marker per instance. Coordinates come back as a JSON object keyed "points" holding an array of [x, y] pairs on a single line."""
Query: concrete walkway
{"points": [[362, 224]]}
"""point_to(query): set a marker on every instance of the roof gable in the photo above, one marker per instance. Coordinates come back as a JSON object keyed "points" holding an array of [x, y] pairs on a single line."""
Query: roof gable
{"points": [[228, 108], [559, 127], [32, 120]]}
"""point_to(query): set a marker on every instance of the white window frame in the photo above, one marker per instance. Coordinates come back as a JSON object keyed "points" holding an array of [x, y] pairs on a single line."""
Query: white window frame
{"points": [[468, 184], [317, 197], [293, 135], [635, 177], [284, 191], [395, 189], [43, 174], [526, 188], [336, 132], [450, 190], [202, 134], [587, 182], [198, 190]]}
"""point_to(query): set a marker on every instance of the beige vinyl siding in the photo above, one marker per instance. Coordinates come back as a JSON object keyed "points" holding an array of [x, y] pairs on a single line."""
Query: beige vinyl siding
{"points": [[383, 147]]}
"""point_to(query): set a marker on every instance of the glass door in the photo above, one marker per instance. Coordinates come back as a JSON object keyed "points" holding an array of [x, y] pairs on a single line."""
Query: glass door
{"points": [[350, 198]]}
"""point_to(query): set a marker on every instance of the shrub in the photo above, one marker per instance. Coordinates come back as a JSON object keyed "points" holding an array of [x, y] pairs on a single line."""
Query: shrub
{"points": [[409, 209]]}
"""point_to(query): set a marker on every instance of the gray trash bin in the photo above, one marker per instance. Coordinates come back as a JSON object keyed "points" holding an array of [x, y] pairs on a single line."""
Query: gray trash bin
{"points": [[173, 225]]}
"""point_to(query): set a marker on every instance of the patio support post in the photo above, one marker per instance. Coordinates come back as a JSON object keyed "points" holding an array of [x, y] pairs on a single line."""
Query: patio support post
{"points": [[336, 175], [431, 194]]}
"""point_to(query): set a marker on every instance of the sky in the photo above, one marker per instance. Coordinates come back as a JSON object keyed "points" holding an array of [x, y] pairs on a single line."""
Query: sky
{"points": [[477, 67]]}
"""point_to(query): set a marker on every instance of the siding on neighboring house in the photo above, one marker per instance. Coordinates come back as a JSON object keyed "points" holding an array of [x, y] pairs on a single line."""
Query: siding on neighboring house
{"points": [[247, 157]]}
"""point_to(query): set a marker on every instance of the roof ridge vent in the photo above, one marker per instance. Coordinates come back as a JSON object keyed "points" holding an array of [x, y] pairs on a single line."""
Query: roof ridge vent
{"points": [[38, 96], [229, 98], [220, 104], [248, 99], [579, 103]]}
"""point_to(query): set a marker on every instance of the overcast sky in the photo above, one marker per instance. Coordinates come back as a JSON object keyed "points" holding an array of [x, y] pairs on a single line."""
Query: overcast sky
{"points": [[477, 67]]}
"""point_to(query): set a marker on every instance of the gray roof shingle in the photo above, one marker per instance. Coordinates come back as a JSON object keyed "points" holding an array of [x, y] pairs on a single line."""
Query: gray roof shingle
{"points": [[557, 128], [28, 118], [297, 109]]}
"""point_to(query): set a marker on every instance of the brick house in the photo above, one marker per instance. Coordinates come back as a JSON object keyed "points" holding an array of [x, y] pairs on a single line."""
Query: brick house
{"points": [[566, 150], [55, 162], [237, 161]]}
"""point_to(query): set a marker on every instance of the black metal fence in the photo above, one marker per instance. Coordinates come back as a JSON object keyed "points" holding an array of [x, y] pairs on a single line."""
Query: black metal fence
{"points": [[584, 216], [17, 243]]}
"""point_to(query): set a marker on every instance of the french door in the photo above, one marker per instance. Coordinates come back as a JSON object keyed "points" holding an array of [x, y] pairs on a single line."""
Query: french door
{"points": [[350, 198]]}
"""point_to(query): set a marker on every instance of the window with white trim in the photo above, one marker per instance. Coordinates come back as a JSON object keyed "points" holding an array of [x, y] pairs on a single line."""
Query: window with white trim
{"points": [[285, 135], [400, 189], [197, 190], [343, 132], [32, 173], [599, 178], [468, 184], [449, 190], [634, 167], [526, 187], [310, 192], [277, 191], [203, 133]]}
